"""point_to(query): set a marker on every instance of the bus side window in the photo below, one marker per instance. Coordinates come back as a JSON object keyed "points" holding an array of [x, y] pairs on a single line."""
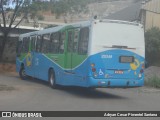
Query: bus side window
{"points": [[33, 40], [83, 41], [46, 43], [54, 45], [70, 39], [75, 41], [38, 43], [25, 48], [61, 43]]}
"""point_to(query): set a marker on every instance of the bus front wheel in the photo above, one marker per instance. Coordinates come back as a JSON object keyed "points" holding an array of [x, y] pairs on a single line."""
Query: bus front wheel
{"points": [[52, 80], [22, 73]]}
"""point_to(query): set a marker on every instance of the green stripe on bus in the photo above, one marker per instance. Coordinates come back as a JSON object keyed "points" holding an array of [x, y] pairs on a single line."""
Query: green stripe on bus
{"points": [[59, 59]]}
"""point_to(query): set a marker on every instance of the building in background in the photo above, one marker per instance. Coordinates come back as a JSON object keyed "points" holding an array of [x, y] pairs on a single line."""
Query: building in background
{"points": [[150, 14], [10, 48]]}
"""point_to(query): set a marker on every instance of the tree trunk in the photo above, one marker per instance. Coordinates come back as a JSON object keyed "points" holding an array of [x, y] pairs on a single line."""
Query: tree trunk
{"points": [[4, 40]]}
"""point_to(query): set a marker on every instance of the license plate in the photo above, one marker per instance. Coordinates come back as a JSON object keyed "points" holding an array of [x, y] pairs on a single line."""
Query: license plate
{"points": [[118, 72], [126, 59]]}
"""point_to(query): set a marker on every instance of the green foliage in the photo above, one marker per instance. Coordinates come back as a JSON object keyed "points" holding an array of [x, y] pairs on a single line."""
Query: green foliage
{"points": [[33, 10], [20, 10], [35, 7], [153, 82], [50, 26], [60, 8], [152, 38], [42, 6], [72, 7], [40, 17]]}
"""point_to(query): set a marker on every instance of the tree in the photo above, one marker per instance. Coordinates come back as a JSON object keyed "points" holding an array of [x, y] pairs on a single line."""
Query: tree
{"points": [[70, 7], [36, 9], [20, 9], [152, 38]]}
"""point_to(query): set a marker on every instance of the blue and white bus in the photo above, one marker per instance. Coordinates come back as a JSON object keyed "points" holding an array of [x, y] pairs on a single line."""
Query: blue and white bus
{"points": [[97, 53]]}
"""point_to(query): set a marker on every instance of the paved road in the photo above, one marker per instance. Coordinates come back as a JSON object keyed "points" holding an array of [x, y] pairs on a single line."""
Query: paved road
{"points": [[16, 94]]}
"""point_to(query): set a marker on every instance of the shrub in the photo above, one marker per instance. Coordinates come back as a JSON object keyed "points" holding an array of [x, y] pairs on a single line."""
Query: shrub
{"points": [[152, 41], [154, 81], [40, 17]]}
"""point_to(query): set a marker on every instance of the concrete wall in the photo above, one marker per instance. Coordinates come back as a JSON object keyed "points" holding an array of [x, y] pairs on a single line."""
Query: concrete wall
{"points": [[151, 14], [152, 20], [9, 54]]}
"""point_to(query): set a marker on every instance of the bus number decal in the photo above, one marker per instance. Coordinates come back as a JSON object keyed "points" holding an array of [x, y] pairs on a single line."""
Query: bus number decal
{"points": [[106, 56]]}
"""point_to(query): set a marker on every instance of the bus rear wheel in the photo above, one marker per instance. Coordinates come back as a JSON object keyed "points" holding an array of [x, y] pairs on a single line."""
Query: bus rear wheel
{"points": [[52, 80], [22, 73]]}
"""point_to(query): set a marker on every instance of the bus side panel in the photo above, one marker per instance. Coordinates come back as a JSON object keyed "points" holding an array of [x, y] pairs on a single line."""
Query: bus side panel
{"points": [[20, 60], [80, 74], [42, 66], [18, 65]]}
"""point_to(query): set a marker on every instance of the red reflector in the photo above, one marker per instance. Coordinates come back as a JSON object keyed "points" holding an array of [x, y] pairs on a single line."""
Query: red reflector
{"points": [[93, 69], [118, 72]]}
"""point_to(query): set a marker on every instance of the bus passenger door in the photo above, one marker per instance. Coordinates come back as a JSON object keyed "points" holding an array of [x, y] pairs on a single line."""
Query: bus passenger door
{"points": [[37, 56], [68, 64], [31, 56], [72, 47], [75, 57]]}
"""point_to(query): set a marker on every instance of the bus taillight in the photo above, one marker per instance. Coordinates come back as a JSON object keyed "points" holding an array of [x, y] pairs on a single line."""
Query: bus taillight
{"points": [[143, 66], [93, 69]]}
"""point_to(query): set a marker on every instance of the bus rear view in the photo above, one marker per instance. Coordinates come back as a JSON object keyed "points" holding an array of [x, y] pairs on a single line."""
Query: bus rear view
{"points": [[117, 54]]}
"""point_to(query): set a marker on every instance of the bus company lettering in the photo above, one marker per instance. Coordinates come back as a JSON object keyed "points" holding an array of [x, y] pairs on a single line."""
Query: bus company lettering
{"points": [[34, 115], [106, 56], [26, 114]]}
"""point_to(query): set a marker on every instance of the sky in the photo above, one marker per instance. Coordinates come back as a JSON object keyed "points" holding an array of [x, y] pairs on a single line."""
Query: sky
{"points": [[11, 5]]}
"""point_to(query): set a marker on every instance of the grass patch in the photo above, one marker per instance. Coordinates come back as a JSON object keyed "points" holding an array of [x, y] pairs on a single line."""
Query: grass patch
{"points": [[153, 82]]}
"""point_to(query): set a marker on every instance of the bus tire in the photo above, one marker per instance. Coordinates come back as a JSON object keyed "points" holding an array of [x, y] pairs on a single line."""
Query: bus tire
{"points": [[22, 74], [52, 80]]}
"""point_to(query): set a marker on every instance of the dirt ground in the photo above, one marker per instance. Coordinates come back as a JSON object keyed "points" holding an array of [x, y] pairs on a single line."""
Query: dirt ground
{"points": [[7, 68]]}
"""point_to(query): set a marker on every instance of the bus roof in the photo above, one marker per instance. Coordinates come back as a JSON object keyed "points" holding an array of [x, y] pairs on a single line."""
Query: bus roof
{"points": [[120, 22], [78, 24], [57, 28]]}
